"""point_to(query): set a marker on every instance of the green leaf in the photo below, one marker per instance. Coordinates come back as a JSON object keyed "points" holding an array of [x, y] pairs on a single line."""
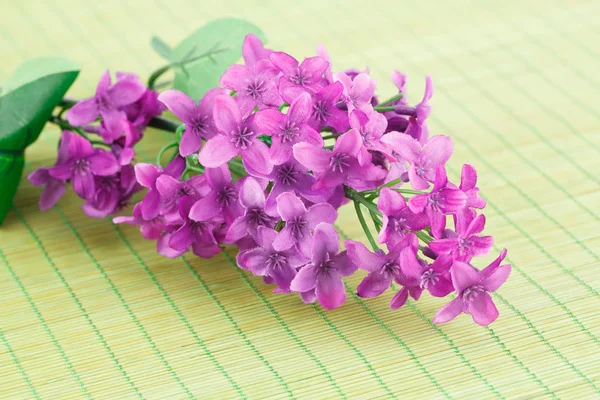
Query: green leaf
{"points": [[162, 48], [223, 38], [26, 102]]}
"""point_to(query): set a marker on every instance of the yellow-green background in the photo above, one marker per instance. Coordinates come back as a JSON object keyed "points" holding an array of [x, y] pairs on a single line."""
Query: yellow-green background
{"points": [[90, 310]]}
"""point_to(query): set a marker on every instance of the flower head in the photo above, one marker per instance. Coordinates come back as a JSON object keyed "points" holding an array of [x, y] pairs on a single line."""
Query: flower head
{"points": [[398, 218], [464, 244], [223, 198], [307, 75], [358, 92]]}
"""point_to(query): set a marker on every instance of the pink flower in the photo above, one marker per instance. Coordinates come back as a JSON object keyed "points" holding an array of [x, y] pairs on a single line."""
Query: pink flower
{"points": [[172, 189], [339, 166], [473, 288], [358, 92], [464, 244], [325, 112], [221, 200], [382, 268], [417, 127], [112, 193], [83, 165], [371, 127], [398, 219], [236, 137], [252, 199], [253, 50], [423, 160], [53, 188], [278, 264], [300, 222], [299, 77], [325, 270], [150, 229], [288, 129], [107, 102], [254, 86], [198, 119], [440, 201], [468, 182]]}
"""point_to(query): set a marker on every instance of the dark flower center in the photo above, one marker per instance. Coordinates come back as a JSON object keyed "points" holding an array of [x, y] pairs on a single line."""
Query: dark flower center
{"points": [[472, 292], [198, 125], [258, 217], [81, 166], [390, 269], [289, 132], [398, 225], [320, 111], [198, 227], [242, 138], [103, 103], [186, 190], [300, 78], [367, 137], [255, 89], [429, 278], [276, 260], [298, 226], [434, 201], [226, 196], [326, 267], [287, 174], [339, 161]]}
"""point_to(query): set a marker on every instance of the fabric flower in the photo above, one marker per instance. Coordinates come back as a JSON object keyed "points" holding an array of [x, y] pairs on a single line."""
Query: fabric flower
{"points": [[83, 164], [252, 199], [473, 288], [198, 119], [371, 128], [468, 182], [398, 219], [465, 244], [147, 175], [300, 222], [440, 201], [423, 160], [53, 188], [198, 235], [112, 193], [299, 77], [288, 129], [325, 112], [172, 189], [150, 229], [106, 102], [222, 199], [254, 86], [326, 268], [358, 92], [382, 268], [340, 165], [236, 137], [278, 264]]}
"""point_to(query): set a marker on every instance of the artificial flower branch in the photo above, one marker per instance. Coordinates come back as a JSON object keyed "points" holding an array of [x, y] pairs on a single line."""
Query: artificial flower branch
{"points": [[264, 161]]}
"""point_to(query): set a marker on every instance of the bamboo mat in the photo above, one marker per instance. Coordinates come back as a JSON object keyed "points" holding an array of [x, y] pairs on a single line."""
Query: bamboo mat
{"points": [[89, 310]]}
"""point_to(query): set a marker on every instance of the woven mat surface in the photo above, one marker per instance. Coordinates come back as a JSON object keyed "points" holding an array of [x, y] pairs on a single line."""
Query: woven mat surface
{"points": [[90, 310]]}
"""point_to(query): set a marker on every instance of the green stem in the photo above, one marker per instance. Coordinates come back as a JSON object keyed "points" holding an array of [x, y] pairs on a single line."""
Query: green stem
{"points": [[162, 151], [99, 143], [424, 236], [391, 100], [384, 108], [363, 223], [409, 191], [330, 137]]}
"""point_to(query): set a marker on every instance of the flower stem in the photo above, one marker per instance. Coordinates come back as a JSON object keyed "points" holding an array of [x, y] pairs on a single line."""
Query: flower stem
{"points": [[424, 236], [391, 100], [363, 223], [384, 108], [162, 151]]}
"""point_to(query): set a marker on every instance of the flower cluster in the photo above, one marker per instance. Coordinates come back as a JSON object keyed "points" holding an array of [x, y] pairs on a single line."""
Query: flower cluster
{"points": [[264, 162], [100, 171]]}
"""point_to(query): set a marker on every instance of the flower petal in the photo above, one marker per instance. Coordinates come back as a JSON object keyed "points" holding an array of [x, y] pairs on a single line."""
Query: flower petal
{"points": [[84, 185], [373, 285], [286, 63], [205, 208], [217, 151], [312, 157], [83, 112], [254, 260], [330, 291], [252, 194], [497, 277], [325, 242], [408, 148], [300, 109], [483, 310], [269, 121], [80, 147], [256, 158], [438, 149], [235, 77], [463, 276], [399, 299], [390, 202], [305, 280], [126, 91], [363, 258], [179, 103], [449, 311], [103, 163], [348, 143], [226, 114], [322, 212]]}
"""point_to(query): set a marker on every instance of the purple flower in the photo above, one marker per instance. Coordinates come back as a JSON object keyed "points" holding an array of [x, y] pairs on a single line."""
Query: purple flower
{"points": [[278, 264], [252, 198], [235, 137], [150, 229], [464, 244], [325, 112], [146, 175], [382, 268], [293, 177], [371, 128], [358, 92], [417, 127], [254, 86], [417, 276], [440, 201], [322, 52], [423, 160], [253, 50], [325, 270], [171, 190], [53, 188], [399, 80], [473, 288], [468, 182], [107, 102], [112, 193], [145, 108], [340, 165], [288, 129], [222, 200], [300, 222], [84, 163], [198, 235], [198, 119], [299, 77], [398, 219]]}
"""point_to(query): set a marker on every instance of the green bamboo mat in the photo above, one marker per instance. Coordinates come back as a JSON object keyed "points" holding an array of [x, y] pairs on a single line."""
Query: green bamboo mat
{"points": [[89, 310]]}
